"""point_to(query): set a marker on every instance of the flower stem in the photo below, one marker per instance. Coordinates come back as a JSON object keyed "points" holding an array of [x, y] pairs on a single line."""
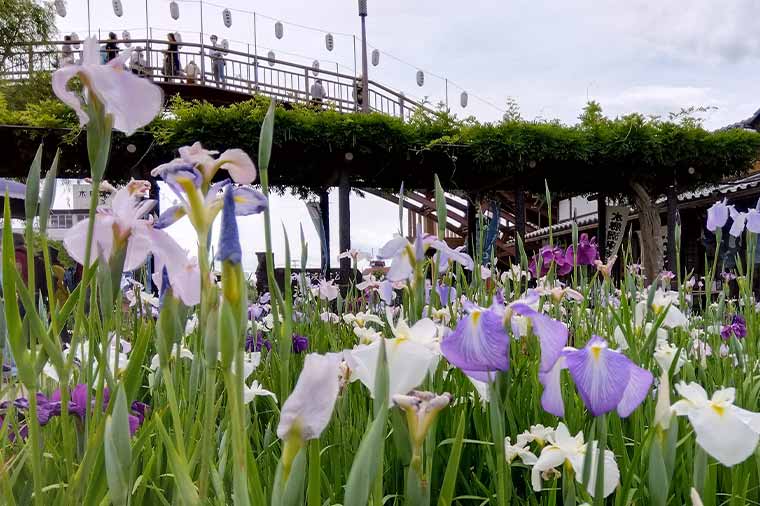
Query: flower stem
{"points": [[34, 441]]}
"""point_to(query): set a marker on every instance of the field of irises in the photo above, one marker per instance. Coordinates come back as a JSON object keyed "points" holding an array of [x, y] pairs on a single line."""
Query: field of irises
{"points": [[442, 381]]}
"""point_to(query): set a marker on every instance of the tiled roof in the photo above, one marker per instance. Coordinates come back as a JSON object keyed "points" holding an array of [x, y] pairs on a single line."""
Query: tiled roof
{"points": [[715, 191]]}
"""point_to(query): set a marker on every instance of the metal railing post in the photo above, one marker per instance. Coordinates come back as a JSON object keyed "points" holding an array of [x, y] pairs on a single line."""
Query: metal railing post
{"points": [[248, 66], [306, 84], [203, 61], [148, 60]]}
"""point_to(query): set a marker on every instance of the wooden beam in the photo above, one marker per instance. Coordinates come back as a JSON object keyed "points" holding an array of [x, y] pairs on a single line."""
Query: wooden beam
{"points": [[461, 231]]}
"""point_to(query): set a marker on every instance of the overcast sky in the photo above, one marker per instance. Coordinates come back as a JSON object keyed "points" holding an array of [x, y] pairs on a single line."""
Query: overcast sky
{"points": [[648, 56]]}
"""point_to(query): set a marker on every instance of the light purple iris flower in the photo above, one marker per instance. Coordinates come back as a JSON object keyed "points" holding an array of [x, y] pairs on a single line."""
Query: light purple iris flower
{"points": [[605, 379], [479, 345], [552, 337], [717, 216]]}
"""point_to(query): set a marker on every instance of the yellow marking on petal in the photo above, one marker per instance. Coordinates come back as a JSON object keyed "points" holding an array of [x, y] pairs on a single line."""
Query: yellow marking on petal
{"points": [[718, 408], [475, 317], [596, 351]]}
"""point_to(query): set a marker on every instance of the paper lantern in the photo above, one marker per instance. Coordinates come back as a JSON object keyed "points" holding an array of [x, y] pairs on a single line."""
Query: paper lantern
{"points": [[420, 78], [178, 37], [174, 10], [225, 45], [60, 8], [278, 30], [125, 38], [329, 42], [270, 55], [227, 18], [117, 8], [75, 40], [463, 98], [375, 57], [315, 67]]}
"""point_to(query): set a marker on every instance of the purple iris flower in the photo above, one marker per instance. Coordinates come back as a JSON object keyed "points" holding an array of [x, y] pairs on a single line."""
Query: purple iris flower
{"points": [[256, 311], [77, 400], [46, 408], [14, 430], [447, 294], [300, 343], [258, 343], [588, 251], [738, 328], [549, 255], [479, 345]]}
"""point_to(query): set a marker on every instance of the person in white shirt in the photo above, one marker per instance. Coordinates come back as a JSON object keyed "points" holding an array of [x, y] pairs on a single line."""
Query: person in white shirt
{"points": [[217, 61], [192, 72], [317, 93], [137, 62]]}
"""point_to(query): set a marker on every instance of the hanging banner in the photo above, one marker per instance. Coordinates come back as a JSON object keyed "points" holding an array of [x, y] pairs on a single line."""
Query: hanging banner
{"points": [[81, 194], [316, 217], [617, 219]]}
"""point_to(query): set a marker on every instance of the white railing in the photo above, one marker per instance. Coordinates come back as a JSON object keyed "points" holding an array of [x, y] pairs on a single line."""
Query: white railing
{"points": [[241, 72]]}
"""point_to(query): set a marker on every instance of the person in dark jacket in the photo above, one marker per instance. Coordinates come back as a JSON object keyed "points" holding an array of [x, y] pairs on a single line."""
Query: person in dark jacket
{"points": [[112, 48]]}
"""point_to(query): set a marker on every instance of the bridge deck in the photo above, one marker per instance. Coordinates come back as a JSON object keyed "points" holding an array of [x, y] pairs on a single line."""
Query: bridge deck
{"points": [[230, 76]]}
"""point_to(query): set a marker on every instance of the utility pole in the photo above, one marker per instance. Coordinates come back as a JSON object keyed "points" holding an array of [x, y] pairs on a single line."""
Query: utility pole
{"points": [[365, 78]]}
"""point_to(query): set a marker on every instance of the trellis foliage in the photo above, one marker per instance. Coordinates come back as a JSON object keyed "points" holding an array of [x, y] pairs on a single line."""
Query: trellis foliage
{"points": [[311, 147], [601, 154]]}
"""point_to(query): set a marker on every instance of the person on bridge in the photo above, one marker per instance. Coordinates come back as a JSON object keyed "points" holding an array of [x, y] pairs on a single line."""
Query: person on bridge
{"points": [[359, 93], [217, 61], [112, 48], [192, 72], [317, 93], [171, 57], [137, 62], [67, 53]]}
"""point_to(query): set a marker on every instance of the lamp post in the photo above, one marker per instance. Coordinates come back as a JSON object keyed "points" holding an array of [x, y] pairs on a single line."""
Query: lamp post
{"points": [[365, 78]]}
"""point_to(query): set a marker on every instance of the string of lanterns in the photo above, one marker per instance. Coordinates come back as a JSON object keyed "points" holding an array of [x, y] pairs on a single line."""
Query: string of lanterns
{"points": [[279, 32]]}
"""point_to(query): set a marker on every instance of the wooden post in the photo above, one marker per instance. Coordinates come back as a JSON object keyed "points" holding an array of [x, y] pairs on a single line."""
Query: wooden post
{"points": [[344, 211], [519, 214], [324, 210], [672, 203], [601, 229], [153, 194]]}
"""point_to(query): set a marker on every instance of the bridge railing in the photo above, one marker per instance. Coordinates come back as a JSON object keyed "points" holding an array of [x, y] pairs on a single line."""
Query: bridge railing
{"points": [[228, 69]]}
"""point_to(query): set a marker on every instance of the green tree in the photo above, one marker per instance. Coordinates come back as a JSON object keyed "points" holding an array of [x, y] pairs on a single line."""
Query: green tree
{"points": [[23, 21]]}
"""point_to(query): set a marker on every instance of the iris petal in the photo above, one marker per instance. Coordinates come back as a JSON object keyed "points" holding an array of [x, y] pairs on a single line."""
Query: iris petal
{"points": [[169, 217], [479, 343], [600, 374], [248, 201], [636, 391], [551, 397], [552, 334]]}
